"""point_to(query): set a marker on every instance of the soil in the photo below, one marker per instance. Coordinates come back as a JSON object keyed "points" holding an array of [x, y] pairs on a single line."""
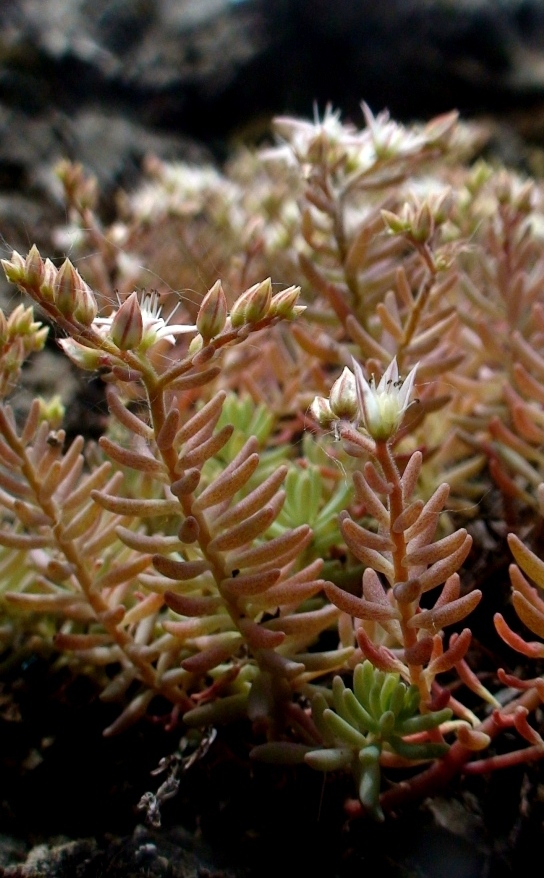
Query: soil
{"points": [[70, 796]]}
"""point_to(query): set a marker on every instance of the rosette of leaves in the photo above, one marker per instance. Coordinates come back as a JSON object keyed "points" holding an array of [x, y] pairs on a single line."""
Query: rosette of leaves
{"points": [[380, 715]]}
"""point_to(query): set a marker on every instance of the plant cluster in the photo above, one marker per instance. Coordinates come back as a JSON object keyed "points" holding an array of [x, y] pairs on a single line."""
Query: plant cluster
{"points": [[285, 519]]}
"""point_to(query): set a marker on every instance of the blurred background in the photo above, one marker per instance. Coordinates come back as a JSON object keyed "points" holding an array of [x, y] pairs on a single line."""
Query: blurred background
{"points": [[107, 82]]}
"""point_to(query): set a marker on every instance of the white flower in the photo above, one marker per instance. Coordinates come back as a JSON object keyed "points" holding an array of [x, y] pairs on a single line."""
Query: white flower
{"points": [[140, 317], [382, 408]]}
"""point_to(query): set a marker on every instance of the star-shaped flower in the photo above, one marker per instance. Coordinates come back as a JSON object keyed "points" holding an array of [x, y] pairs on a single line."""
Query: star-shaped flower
{"points": [[382, 408]]}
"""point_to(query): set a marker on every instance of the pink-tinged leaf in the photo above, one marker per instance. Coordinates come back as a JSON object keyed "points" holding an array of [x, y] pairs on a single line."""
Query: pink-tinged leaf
{"points": [[23, 541], [525, 730], [154, 543], [142, 462], [255, 500], [205, 450], [167, 433], [189, 605], [407, 592], [472, 739], [75, 642], [294, 589], [131, 714], [428, 518], [354, 536], [145, 608], [135, 507], [449, 614], [375, 481], [195, 379], [531, 387], [522, 416], [434, 552], [245, 532], [411, 475], [532, 361], [368, 538], [408, 518], [179, 570], [507, 485], [360, 608], [450, 591], [373, 589], [206, 417], [531, 615], [456, 651], [527, 560], [225, 486], [440, 571], [288, 593], [471, 681], [277, 551], [251, 584], [381, 658], [83, 522], [259, 637], [186, 484], [530, 649], [95, 480], [373, 504], [194, 627], [420, 653], [123, 572], [125, 417], [523, 586], [310, 623], [59, 602], [210, 658]]}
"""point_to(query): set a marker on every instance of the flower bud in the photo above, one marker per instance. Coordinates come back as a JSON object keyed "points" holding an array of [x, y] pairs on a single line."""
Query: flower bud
{"points": [[422, 224], [86, 308], [34, 268], [397, 225], [53, 411], [252, 305], [343, 397], [82, 356], [14, 268], [212, 314], [284, 303], [67, 284], [127, 325], [322, 412], [47, 287]]}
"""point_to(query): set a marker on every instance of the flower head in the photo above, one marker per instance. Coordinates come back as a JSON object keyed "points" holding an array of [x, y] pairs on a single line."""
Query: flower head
{"points": [[382, 408], [139, 319]]}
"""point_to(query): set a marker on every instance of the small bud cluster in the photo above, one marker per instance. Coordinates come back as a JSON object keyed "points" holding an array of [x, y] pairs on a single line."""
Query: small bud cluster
{"points": [[418, 220], [20, 335], [59, 291], [380, 408], [254, 305]]}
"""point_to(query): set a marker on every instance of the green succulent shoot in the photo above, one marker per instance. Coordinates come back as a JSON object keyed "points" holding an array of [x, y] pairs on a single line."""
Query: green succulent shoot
{"points": [[380, 714]]}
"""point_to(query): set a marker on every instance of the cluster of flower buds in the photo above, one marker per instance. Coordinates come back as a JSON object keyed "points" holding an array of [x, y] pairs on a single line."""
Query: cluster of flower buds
{"points": [[80, 190], [137, 325], [60, 290], [418, 220], [379, 408], [253, 306], [20, 335]]}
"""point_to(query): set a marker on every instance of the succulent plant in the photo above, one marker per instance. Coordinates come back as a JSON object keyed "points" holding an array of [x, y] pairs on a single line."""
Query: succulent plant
{"points": [[285, 511]]}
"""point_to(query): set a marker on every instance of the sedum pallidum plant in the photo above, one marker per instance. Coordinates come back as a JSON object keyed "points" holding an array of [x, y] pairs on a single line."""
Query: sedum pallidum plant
{"points": [[301, 492]]}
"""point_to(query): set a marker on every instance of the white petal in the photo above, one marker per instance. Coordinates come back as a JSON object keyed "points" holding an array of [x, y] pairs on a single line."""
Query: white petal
{"points": [[406, 389], [389, 377]]}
